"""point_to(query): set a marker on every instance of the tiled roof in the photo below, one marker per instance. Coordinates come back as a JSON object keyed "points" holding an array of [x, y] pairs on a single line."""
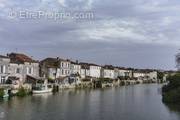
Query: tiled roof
{"points": [[85, 65], [75, 63], [50, 62], [110, 67], [89, 64], [20, 58]]}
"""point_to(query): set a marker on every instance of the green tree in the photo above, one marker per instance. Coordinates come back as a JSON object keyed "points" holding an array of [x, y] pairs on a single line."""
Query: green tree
{"points": [[21, 92], [171, 91], [1, 92], [160, 75]]}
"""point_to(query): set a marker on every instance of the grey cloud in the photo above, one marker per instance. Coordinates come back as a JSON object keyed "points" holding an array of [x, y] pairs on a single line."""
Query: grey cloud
{"points": [[125, 33]]}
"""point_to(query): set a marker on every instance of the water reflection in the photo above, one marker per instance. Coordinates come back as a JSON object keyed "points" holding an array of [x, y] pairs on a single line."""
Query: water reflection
{"points": [[173, 108], [139, 102]]}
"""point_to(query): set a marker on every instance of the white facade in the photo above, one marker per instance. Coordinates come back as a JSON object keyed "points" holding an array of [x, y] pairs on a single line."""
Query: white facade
{"points": [[4, 69], [64, 68], [54, 68], [52, 73], [95, 71], [108, 73], [139, 74], [75, 68], [123, 73], [146, 75], [22, 70], [85, 73], [153, 75]]}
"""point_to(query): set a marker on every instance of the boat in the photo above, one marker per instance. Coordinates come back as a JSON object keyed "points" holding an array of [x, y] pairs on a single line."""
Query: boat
{"points": [[6, 94], [42, 88]]}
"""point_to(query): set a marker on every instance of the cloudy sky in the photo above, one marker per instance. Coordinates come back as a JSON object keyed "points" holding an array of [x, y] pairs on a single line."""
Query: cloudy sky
{"points": [[130, 33]]}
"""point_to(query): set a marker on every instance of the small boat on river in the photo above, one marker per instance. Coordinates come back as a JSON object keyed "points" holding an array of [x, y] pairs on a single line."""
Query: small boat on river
{"points": [[41, 88]]}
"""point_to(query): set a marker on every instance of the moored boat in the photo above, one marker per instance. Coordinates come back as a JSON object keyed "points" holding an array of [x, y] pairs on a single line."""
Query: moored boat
{"points": [[42, 88], [6, 94]]}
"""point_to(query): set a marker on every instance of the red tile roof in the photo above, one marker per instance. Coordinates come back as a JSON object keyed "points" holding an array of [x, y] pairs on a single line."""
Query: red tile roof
{"points": [[20, 58]]}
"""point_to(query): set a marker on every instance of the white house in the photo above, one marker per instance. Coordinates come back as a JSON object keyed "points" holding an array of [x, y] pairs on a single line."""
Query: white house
{"points": [[65, 68], [53, 68], [4, 71], [21, 66], [145, 74], [123, 72], [139, 74], [153, 75], [95, 70], [108, 72], [85, 70], [49, 68], [75, 68]]}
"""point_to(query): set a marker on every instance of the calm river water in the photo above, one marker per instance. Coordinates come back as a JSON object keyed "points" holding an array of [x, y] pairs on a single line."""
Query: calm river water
{"points": [[138, 102]]}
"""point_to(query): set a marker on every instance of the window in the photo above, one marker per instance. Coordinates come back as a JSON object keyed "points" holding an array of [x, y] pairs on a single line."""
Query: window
{"points": [[3, 79], [18, 70], [62, 72], [62, 64], [3, 69], [29, 70]]}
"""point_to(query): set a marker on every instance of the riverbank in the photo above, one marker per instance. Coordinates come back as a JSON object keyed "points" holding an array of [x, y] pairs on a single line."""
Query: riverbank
{"points": [[26, 89]]}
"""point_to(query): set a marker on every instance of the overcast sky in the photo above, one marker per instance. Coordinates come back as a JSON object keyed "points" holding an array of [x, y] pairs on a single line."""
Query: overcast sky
{"points": [[130, 33]]}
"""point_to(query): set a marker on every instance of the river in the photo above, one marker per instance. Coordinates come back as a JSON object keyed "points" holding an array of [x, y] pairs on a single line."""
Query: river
{"points": [[138, 102]]}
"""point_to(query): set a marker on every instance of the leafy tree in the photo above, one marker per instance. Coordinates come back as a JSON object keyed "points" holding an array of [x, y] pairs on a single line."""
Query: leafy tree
{"points": [[1, 92], [171, 91], [21, 92], [160, 75]]}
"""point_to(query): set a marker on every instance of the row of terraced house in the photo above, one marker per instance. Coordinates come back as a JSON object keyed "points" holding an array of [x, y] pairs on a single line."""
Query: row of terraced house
{"points": [[16, 68]]}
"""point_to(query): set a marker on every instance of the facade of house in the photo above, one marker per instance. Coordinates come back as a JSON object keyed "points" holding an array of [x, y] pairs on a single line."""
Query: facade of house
{"points": [[153, 75], [75, 68], [21, 66], [85, 70], [53, 68], [145, 74], [4, 69], [139, 74], [95, 71], [49, 68], [122, 72], [65, 68], [108, 71]]}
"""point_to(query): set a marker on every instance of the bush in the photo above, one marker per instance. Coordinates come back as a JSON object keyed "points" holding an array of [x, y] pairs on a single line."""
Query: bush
{"points": [[1, 93], [171, 91], [106, 80], [172, 96], [21, 92]]}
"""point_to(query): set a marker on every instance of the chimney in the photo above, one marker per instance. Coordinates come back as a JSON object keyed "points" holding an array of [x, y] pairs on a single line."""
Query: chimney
{"points": [[77, 61]]}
